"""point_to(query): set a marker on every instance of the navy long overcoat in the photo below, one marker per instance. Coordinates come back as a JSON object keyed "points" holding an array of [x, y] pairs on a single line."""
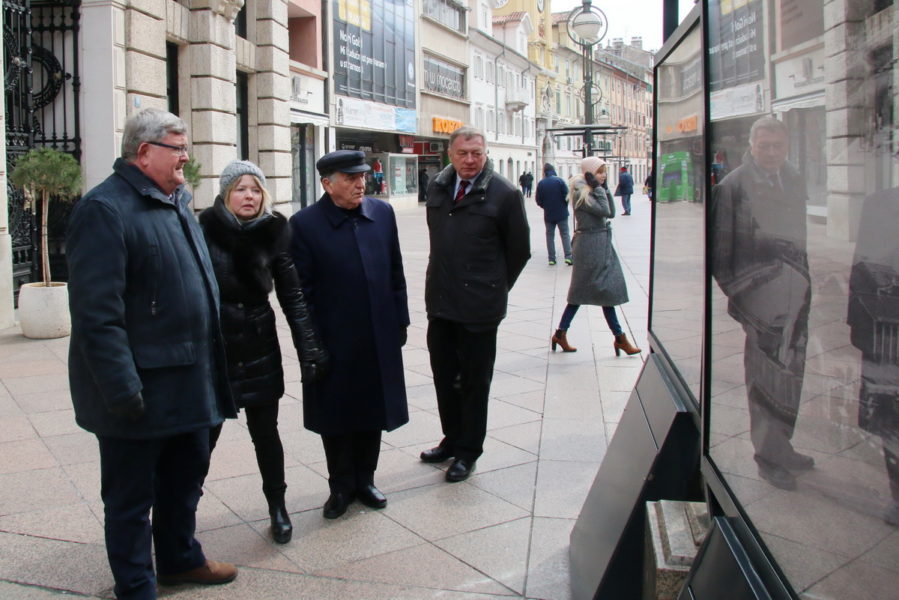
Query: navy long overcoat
{"points": [[352, 275]]}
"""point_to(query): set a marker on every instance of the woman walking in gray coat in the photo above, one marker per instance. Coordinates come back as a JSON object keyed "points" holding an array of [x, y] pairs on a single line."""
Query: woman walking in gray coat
{"points": [[596, 278]]}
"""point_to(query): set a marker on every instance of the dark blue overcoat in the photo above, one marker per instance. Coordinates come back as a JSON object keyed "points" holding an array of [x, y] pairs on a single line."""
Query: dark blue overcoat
{"points": [[144, 304], [352, 274]]}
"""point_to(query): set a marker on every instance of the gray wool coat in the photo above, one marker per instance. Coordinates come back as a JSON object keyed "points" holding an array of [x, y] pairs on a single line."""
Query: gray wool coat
{"points": [[596, 276]]}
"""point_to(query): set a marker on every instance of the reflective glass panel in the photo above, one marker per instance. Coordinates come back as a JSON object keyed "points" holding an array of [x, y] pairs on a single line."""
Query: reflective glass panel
{"points": [[804, 218], [678, 259]]}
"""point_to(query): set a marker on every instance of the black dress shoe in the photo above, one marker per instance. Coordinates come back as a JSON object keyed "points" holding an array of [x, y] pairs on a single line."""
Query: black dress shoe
{"points": [[337, 504], [371, 496], [777, 476], [460, 470], [796, 461], [436, 455]]}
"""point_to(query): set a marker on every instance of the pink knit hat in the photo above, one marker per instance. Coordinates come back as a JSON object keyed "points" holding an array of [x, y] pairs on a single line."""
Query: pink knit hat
{"points": [[591, 164]]}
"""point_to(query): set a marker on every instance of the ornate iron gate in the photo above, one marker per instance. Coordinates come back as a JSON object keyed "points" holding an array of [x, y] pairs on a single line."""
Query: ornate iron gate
{"points": [[19, 118], [42, 104]]}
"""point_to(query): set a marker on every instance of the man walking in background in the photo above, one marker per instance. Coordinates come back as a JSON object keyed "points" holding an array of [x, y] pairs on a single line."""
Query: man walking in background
{"points": [[479, 245], [625, 190], [552, 197]]}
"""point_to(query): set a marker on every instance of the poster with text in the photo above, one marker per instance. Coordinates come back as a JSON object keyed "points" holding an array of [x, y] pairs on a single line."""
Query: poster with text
{"points": [[374, 51]]}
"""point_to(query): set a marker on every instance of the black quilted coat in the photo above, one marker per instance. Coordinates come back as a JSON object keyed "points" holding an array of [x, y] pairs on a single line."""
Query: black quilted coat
{"points": [[250, 259]]}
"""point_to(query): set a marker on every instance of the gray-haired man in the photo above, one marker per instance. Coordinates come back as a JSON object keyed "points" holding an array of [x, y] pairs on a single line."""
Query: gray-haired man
{"points": [[146, 360]]}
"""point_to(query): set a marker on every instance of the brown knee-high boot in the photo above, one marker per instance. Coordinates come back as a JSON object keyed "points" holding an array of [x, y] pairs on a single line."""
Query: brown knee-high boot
{"points": [[559, 338], [622, 343]]}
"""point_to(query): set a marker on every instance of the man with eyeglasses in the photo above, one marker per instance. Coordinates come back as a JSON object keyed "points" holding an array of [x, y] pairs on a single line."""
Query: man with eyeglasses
{"points": [[480, 242], [146, 359], [760, 262]]}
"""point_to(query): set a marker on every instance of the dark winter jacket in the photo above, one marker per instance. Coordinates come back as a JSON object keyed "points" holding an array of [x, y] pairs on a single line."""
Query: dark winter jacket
{"points": [[478, 247], [250, 259], [144, 305], [552, 196], [352, 273], [625, 184], [759, 241]]}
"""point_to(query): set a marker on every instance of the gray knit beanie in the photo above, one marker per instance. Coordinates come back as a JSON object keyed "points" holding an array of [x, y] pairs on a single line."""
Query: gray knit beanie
{"points": [[234, 170]]}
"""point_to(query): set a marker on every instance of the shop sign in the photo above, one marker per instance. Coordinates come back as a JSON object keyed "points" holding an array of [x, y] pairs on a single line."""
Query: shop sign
{"points": [[441, 125], [373, 115], [738, 101], [444, 78]]}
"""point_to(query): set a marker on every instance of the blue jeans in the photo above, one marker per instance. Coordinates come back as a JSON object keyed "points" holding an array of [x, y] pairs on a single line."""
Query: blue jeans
{"points": [[607, 311], [626, 202], [550, 239]]}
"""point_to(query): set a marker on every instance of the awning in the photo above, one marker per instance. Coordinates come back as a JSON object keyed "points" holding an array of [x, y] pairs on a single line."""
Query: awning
{"points": [[299, 116], [812, 100]]}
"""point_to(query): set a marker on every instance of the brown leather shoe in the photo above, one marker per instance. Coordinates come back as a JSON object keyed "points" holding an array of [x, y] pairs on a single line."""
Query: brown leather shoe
{"points": [[210, 573]]}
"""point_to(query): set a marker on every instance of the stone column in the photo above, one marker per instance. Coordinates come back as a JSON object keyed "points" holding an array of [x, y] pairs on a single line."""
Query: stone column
{"points": [[272, 94], [845, 70], [145, 60], [102, 49], [213, 68]]}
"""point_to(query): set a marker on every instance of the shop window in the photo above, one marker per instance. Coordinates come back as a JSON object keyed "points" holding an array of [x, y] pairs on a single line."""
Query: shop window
{"points": [[243, 119], [171, 77], [446, 12]]}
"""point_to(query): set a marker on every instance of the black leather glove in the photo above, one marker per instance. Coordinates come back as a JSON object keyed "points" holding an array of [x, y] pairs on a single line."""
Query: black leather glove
{"points": [[404, 335], [312, 371], [132, 409], [591, 180]]}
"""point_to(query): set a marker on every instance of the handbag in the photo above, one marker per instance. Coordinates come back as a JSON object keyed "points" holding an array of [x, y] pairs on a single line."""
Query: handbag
{"points": [[617, 190]]}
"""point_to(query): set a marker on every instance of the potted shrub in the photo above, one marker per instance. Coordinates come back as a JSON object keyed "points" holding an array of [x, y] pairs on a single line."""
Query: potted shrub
{"points": [[45, 173]]}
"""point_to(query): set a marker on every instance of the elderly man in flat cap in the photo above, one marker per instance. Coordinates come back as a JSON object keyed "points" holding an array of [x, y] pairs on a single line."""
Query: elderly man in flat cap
{"points": [[347, 253]]}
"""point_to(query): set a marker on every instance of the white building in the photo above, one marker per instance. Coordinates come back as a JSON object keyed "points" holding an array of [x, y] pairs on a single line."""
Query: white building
{"points": [[503, 93]]}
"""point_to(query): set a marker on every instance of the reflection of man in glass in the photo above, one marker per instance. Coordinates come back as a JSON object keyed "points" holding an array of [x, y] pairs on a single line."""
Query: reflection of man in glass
{"points": [[874, 321], [761, 265]]}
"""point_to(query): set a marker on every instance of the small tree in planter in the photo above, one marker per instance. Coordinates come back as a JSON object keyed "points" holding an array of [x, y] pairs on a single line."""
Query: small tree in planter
{"points": [[45, 173]]}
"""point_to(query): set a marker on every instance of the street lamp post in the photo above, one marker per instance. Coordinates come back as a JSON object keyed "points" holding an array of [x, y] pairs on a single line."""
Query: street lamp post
{"points": [[587, 25]]}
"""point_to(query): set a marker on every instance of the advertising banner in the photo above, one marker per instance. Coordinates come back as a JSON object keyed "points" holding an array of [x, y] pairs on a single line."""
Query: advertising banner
{"points": [[374, 51], [736, 43]]}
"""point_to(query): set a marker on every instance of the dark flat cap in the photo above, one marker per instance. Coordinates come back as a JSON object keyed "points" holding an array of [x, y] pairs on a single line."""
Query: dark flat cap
{"points": [[342, 161]]}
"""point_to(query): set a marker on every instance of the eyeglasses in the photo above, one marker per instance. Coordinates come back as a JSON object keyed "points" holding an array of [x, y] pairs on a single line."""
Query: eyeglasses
{"points": [[178, 149]]}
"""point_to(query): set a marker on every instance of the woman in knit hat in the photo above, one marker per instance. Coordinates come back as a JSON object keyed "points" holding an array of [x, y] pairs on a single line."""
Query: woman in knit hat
{"points": [[596, 276], [248, 244]]}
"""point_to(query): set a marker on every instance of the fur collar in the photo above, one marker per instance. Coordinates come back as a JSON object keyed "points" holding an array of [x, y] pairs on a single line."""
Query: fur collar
{"points": [[251, 247]]}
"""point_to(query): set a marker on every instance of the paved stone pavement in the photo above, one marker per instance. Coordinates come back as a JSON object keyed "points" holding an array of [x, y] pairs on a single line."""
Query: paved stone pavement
{"points": [[501, 534]]}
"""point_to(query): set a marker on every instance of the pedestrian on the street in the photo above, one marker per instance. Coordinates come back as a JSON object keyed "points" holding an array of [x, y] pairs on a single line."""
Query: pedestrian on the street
{"points": [[625, 189], [249, 247], [480, 243], [650, 183], [146, 358], [347, 252], [760, 262], [596, 277], [529, 183], [523, 183], [423, 185], [552, 197]]}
